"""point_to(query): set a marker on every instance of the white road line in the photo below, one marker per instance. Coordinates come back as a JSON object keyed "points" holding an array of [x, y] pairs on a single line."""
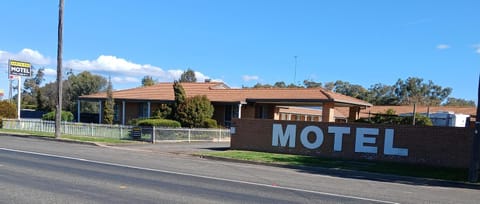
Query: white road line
{"points": [[200, 176]]}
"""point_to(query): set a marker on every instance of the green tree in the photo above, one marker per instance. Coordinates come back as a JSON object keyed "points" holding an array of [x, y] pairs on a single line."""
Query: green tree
{"points": [[188, 76], [381, 94], [414, 90], [259, 85], [108, 110], [292, 85], [459, 102], [195, 111], [345, 88], [31, 86], [180, 97], [148, 81], [48, 96], [280, 84], [83, 83], [40, 99], [329, 86], [311, 84]]}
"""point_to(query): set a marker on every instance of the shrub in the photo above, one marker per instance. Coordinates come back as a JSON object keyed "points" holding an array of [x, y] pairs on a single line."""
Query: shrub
{"points": [[210, 123], [419, 120], [164, 111], [194, 111], [8, 110], [29, 106], [66, 116], [158, 123]]}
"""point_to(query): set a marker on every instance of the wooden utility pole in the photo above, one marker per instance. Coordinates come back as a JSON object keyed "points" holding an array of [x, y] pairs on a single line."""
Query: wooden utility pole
{"points": [[58, 115], [475, 157]]}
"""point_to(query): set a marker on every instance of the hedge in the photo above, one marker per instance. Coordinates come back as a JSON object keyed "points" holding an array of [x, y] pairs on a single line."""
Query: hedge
{"points": [[66, 116], [158, 123], [210, 123]]}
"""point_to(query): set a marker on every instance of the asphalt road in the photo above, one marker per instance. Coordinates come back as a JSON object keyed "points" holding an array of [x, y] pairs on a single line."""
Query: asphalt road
{"points": [[39, 171]]}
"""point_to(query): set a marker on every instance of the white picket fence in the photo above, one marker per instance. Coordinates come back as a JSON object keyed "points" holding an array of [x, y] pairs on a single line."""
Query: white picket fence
{"points": [[69, 128], [152, 134]]}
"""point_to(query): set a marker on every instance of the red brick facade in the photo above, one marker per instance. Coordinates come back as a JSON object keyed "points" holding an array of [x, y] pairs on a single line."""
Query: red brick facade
{"points": [[437, 146]]}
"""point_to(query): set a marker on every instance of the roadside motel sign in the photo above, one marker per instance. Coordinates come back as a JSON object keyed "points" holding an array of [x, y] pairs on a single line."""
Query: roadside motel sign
{"points": [[19, 68]]}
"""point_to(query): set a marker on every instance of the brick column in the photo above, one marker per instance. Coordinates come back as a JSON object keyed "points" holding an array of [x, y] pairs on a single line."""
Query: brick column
{"points": [[353, 113], [328, 112]]}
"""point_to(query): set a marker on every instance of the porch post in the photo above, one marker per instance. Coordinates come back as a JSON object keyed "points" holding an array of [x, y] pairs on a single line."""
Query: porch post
{"points": [[148, 109], [328, 112], [100, 111], [240, 110], [123, 112], [78, 111], [353, 113]]}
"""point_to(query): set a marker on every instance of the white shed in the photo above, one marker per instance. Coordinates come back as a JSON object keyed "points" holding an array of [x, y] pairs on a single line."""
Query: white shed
{"points": [[449, 119]]}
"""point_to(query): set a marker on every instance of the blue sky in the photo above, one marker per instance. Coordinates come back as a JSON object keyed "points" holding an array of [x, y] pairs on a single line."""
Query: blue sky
{"points": [[242, 42]]}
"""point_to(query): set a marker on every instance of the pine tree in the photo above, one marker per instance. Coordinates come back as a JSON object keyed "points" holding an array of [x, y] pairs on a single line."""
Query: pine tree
{"points": [[108, 111]]}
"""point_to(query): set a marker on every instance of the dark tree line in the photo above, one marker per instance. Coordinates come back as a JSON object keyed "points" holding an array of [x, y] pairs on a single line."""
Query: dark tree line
{"points": [[403, 92]]}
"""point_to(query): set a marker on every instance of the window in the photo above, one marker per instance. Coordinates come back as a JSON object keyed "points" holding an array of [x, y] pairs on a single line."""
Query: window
{"points": [[115, 113], [143, 110]]}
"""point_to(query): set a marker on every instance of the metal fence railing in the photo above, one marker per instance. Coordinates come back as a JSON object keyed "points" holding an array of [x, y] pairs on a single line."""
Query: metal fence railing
{"points": [[186, 134], [151, 134]]}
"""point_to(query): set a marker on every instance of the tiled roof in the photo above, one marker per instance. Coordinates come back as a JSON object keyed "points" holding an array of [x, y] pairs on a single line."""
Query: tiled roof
{"points": [[306, 111], [219, 92], [409, 109]]}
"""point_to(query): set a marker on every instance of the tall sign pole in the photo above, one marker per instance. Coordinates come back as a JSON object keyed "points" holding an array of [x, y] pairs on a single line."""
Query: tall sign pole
{"points": [[474, 163], [58, 115], [19, 69], [19, 96]]}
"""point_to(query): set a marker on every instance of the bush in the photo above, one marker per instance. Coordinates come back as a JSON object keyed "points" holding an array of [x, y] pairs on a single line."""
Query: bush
{"points": [[66, 116], [28, 106], [210, 123], [134, 121], [158, 123], [194, 111], [8, 110], [419, 120]]}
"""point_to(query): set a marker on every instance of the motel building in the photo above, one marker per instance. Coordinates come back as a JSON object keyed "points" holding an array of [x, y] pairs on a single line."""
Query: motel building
{"points": [[296, 104]]}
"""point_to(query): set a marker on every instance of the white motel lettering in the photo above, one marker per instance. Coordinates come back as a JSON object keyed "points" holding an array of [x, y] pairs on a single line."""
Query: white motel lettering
{"points": [[20, 70], [362, 136]]}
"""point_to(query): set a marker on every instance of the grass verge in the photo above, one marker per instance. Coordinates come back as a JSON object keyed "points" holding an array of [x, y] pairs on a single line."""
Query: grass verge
{"points": [[68, 137], [452, 174]]}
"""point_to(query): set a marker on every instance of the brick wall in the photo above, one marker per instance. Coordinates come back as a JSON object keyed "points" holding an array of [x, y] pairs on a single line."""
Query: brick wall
{"points": [[438, 146]]}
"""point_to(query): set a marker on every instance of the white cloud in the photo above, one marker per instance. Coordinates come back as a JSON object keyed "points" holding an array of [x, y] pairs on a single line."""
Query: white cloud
{"points": [[443, 46], [249, 78], [120, 66], [477, 48], [27, 55], [50, 72], [122, 70], [125, 80]]}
